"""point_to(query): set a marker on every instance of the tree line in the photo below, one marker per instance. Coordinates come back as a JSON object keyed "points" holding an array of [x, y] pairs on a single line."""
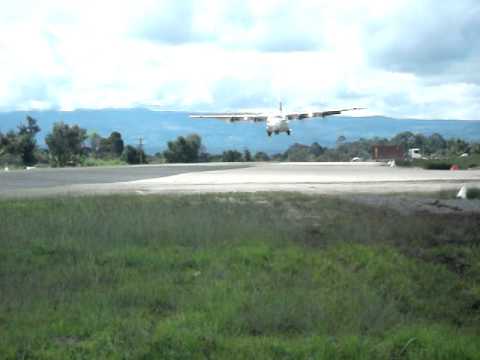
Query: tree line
{"points": [[190, 149], [71, 145], [67, 145]]}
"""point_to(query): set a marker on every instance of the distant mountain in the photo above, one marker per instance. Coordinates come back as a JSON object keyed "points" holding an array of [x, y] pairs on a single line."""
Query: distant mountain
{"points": [[158, 127]]}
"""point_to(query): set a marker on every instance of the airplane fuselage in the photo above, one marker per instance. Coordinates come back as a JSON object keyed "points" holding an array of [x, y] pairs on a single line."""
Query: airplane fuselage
{"points": [[277, 123]]}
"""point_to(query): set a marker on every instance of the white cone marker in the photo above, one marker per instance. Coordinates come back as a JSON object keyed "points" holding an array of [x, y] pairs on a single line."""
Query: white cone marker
{"points": [[462, 194]]}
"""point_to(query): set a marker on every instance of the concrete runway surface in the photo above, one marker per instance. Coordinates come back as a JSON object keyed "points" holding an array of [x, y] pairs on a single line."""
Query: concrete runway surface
{"points": [[323, 178]]}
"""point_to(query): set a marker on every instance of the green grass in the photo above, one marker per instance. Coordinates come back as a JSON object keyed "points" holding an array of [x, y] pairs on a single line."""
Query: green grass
{"points": [[266, 276], [472, 193], [464, 163]]}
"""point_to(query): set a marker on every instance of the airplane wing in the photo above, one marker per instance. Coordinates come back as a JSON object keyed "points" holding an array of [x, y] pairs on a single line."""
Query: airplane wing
{"points": [[233, 117], [305, 115]]}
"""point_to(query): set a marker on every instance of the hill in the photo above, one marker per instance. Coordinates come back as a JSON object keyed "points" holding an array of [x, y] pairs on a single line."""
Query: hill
{"points": [[158, 127]]}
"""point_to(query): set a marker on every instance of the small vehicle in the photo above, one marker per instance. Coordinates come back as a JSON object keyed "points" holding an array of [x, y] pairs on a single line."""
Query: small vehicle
{"points": [[414, 153]]}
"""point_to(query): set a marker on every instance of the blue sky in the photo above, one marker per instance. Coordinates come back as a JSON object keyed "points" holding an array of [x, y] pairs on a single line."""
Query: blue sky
{"points": [[399, 58]]}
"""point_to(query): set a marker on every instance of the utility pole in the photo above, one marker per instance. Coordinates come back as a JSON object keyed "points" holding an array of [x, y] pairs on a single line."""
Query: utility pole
{"points": [[140, 148]]}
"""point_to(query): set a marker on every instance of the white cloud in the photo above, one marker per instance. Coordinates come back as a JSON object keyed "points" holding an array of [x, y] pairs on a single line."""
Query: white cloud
{"points": [[218, 55]]}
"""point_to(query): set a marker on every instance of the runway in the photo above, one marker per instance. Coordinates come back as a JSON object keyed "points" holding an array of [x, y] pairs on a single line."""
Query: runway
{"points": [[46, 181], [323, 178]]}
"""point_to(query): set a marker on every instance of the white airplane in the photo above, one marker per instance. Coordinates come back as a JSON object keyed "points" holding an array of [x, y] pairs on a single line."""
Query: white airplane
{"points": [[277, 122]]}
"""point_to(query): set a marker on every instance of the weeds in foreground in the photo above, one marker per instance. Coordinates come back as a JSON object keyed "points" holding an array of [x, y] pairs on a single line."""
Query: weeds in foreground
{"points": [[235, 276]]}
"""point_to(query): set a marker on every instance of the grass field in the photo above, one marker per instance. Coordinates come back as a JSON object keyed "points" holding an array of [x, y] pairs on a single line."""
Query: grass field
{"points": [[245, 276], [464, 163]]}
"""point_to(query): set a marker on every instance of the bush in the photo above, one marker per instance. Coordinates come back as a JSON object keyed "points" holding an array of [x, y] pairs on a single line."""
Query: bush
{"points": [[133, 155], [101, 162], [261, 156], [65, 144], [437, 165], [7, 160], [232, 156], [404, 163], [464, 163], [184, 149], [473, 193], [21, 143]]}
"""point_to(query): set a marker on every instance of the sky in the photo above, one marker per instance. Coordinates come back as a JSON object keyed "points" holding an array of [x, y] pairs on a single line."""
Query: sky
{"points": [[398, 58]]}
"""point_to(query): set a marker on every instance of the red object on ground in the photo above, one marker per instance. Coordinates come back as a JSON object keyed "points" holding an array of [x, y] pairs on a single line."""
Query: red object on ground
{"points": [[454, 167]]}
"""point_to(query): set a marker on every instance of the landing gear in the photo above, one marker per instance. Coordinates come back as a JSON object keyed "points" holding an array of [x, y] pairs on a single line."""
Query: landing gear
{"points": [[269, 133], [277, 132], [289, 132]]}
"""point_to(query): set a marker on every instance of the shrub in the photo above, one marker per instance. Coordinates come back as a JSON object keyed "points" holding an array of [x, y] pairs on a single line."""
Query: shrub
{"points": [[101, 162], [473, 193], [132, 155], [184, 149], [9, 160], [404, 163], [232, 156], [437, 165], [65, 144]]}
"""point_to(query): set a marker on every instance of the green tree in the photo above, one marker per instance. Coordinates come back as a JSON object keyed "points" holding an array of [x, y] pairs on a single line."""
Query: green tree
{"points": [[27, 143], [65, 144], [117, 143], [21, 144], [9, 149], [475, 148], [457, 146], [340, 140], [132, 155], [232, 156], [406, 138], [111, 146], [95, 140], [298, 152], [435, 143], [247, 155], [261, 156], [184, 149], [9, 143], [316, 149]]}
